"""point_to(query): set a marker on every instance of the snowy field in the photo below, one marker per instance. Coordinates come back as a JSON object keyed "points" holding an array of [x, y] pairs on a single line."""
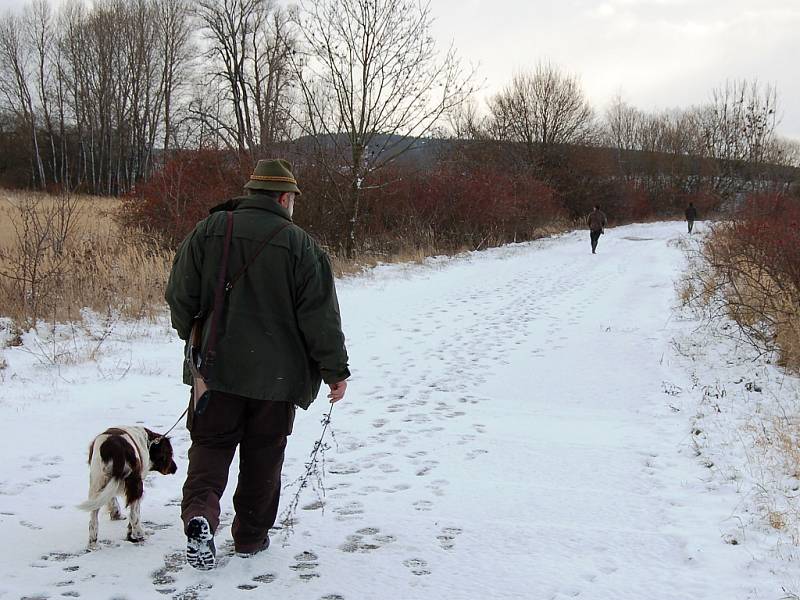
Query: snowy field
{"points": [[527, 422]]}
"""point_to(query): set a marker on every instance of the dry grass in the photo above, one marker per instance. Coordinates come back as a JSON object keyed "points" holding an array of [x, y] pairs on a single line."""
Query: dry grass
{"points": [[353, 266], [59, 255], [778, 462], [416, 254], [93, 212], [725, 280], [343, 266]]}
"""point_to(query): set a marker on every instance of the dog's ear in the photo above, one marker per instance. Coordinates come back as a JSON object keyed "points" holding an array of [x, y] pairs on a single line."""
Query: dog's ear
{"points": [[152, 435]]}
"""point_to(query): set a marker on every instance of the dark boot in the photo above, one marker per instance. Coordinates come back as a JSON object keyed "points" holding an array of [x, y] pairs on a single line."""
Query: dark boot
{"points": [[248, 551], [201, 553]]}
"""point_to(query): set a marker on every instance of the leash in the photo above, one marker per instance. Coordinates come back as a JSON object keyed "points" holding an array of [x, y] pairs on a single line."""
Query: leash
{"points": [[157, 440]]}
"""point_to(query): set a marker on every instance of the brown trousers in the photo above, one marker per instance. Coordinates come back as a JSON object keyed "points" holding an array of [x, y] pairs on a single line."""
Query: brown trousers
{"points": [[259, 428]]}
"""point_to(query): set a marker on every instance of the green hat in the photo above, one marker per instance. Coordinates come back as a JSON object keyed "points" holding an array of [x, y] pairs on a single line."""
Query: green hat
{"points": [[273, 175]]}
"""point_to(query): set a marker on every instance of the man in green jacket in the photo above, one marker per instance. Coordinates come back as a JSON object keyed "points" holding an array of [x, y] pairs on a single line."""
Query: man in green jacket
{"points": [[278, 337]]}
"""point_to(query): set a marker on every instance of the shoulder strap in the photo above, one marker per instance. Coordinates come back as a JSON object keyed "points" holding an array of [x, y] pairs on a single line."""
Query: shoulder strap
{"points": [[219, 298], [253, 257]]}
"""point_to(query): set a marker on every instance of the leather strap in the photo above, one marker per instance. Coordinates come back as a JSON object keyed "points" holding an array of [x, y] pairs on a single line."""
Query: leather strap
{"points": [[219, 298], [253, 257]]}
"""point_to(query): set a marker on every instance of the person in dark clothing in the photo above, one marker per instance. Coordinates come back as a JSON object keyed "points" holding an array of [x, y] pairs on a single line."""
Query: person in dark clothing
{"points": [[278, 336], [691, 216], [597, 225]]}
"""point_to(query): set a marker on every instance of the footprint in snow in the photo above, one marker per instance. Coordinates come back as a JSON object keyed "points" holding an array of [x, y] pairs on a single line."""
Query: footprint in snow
{"points": [[447, 537], [305, 565], [426, 468], [400, 487], [343, 469], [164, 576], [473, 454], [357, 542], [423, 505], [417, 566], [349, 511], [193, 592], [437, 487]]}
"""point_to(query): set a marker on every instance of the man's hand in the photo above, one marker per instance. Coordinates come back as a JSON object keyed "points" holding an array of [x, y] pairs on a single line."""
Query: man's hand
{"points": [[337, 391]]}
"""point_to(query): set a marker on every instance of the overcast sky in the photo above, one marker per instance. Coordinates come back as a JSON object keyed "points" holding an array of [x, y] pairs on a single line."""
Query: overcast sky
{"points": [[657, 53]]}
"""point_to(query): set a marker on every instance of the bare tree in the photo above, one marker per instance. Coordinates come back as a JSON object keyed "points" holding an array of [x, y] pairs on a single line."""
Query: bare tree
{"points": [[43, 41], [174, 36], [543, 108], [244, 98], [373, 84], [15, 84], [738, 127], [784, 152], [465, 121], [622, 124]]}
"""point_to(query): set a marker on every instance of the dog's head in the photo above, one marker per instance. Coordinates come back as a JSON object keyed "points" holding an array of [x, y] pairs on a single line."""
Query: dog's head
{"points": [[161, 454]]}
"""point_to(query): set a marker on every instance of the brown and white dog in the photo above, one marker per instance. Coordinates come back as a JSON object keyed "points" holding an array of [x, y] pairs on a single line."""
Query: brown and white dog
{"points": [[119, 459]]}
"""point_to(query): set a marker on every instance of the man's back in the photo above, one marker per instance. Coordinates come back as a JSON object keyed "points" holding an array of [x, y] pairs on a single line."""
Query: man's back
{"points": [[280, 330], [597, 220]]}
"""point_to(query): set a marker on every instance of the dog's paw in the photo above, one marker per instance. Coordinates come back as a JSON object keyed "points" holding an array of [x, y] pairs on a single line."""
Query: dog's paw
{"points": [[135, 534], [91, 546], [114, 510]]}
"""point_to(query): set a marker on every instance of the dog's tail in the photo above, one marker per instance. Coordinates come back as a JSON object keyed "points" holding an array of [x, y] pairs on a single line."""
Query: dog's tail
{"points": [[118, 457], [113, 488], [121, 466]]}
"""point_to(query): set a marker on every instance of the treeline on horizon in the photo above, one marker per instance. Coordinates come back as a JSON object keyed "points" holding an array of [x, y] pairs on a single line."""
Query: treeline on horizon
{"points": [[170, 102]]}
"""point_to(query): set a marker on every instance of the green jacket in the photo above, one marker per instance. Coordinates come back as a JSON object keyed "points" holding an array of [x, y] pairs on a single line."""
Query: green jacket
{"points": [[280, 333]]}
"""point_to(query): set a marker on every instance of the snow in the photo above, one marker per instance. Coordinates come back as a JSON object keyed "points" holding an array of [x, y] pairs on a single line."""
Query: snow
{"points": [[520, 424]]}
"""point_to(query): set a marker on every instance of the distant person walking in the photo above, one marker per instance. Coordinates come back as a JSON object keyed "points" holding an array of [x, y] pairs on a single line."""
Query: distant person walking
{"points": [[597, 225], [691, 216]]}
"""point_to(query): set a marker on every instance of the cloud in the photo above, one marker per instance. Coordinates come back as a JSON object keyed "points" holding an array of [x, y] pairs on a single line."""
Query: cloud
{"points": [[660, 53]]}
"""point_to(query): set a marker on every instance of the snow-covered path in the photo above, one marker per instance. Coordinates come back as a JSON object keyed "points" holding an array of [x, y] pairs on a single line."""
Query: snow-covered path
{"points": [[506, 434]]}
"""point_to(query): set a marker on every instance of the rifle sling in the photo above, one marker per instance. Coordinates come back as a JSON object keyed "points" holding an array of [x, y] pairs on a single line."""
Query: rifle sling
{"points": [[253, 257], [207, 362], [219, 298]]}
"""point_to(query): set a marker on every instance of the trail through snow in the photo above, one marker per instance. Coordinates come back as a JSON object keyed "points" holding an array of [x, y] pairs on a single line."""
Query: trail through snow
{"points": [[509, 432]]}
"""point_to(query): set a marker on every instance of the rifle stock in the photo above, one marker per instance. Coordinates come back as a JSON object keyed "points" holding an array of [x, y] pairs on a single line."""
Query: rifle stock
{"points": [[194, 362]]}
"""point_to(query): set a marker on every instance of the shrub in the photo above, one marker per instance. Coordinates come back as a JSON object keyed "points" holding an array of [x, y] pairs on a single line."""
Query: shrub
{"points": [[448, 208], [405, 209], [181, 192], [750, 268]]}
